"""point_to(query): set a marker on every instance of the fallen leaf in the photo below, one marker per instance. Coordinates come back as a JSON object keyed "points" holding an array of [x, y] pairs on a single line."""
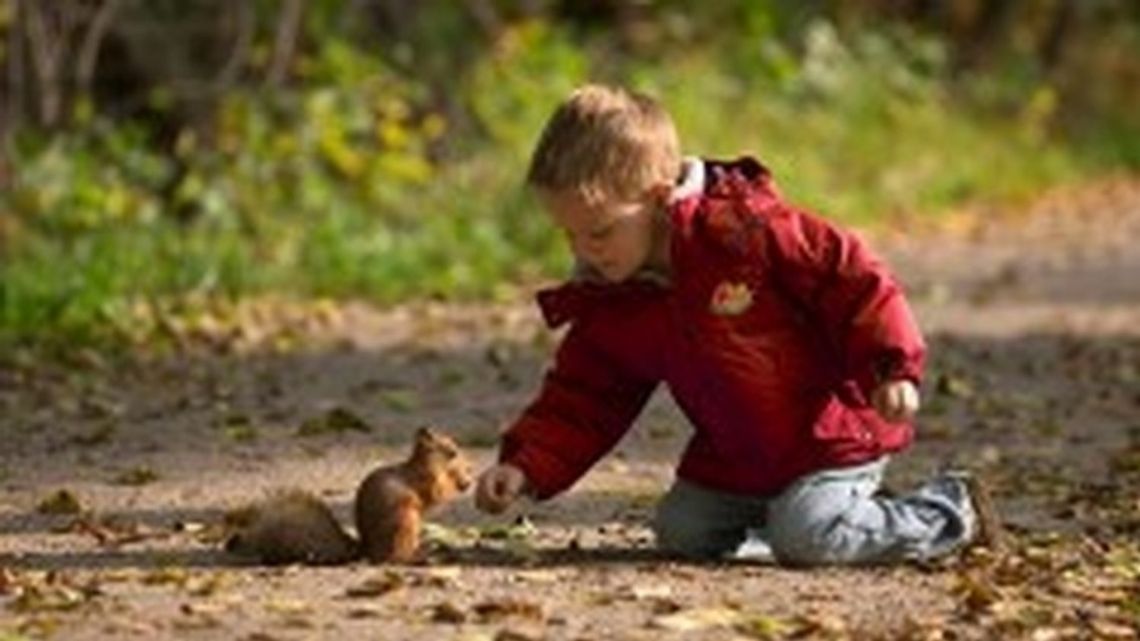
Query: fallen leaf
{"points": [[954, 386], [474, 635], [112, 532], [334, 421], [140, 475], [645, 591], [514, 634], [400, 400], [49, 598], [364, 613], [238, 427], [165, 576], [977, 592], [520, 529], [537, 576], [60, 502], [448, 612], [697, 619], [8, 582], [289, 607], [261, 636], [1112, 630], [445, 576], [207, 585], [497, 610], [211, 610], [436, 534], [818, 625], [764, 627], [377, 586], [39, 626]]}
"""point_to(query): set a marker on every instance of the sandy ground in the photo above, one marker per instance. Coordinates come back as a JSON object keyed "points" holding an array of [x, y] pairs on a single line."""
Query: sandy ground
{"points": [[113, 477]]}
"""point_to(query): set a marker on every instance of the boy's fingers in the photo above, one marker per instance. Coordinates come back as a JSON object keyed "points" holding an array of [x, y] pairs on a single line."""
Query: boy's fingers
{"points": [[495, 504], [896, 402], [495, 493], [498, 488], [490, 498], [512, 483], [488, 502]]}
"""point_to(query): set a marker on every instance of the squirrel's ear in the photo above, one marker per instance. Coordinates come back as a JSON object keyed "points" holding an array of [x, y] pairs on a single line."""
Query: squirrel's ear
{"points": [[424, 434]]}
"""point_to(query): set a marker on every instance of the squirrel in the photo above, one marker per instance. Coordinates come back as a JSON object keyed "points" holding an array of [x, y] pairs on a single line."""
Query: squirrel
{"points": [[295, 526]]}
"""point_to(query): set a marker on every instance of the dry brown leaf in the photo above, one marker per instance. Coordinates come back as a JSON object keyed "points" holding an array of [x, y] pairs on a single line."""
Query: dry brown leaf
{"points": [[1109, 630], [261, 636], [377, 586], [977, 591], [442, 576], [165, 576], [335, 421], [448, 612], [206, 585], [364, 613], [536, 576], [49, 598], [8, 581], [497, 610]]}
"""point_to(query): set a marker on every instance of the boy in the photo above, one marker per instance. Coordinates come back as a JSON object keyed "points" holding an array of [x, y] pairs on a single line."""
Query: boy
{"points": [[786, 343]]}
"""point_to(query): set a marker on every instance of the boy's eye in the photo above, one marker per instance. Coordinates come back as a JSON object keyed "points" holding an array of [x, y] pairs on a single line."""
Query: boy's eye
{"points": [[600, 233]]}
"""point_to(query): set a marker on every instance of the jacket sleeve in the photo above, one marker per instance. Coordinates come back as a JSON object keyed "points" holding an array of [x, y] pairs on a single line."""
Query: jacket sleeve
{"points": [[588, 400], [851, 294]]}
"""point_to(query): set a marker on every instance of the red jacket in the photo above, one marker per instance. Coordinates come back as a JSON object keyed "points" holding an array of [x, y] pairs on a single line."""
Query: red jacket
{"points": [[775, 328]]}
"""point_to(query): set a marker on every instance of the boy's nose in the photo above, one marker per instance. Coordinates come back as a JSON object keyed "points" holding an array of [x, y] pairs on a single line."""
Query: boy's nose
{"points": [[587, 250]]}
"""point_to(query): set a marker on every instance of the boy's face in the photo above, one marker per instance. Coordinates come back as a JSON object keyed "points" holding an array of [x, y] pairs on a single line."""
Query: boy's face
{"points": [[615, 238]]}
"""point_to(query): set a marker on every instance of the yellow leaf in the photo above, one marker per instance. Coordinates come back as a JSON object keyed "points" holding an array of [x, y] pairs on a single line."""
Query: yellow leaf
{"points": [[697, 619]]}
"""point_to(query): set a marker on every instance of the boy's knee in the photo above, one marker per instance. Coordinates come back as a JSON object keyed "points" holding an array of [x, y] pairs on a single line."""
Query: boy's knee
{"points": [[681, 536]]}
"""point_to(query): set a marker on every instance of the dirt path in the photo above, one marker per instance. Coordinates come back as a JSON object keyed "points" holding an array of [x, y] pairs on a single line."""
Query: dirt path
{"points": [[1034, 325]]}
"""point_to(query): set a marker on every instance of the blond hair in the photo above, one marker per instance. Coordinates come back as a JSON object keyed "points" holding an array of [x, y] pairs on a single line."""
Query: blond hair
{"points": [[604, 142]]}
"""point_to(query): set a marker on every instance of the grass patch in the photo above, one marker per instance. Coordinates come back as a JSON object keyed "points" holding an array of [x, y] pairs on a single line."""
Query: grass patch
{"points": [[339, 201]]}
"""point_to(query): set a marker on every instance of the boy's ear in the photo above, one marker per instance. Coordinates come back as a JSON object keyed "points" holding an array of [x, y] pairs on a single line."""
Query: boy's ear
{"points": [[659, 193]]}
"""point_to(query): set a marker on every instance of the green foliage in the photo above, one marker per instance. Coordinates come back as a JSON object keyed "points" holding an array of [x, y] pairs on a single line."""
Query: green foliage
{"points": [[336, 187], [532, 67]]}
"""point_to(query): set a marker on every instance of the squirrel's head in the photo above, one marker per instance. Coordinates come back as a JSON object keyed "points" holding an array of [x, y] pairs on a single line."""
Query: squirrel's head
{"points": [[441, 452]]}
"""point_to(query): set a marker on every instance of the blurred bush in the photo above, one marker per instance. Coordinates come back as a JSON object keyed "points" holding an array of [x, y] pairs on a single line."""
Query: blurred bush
{"points": [[158, 151]]}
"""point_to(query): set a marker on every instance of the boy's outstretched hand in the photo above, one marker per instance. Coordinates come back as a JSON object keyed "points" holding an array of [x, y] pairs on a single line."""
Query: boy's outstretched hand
{"points": [[499, 486], [896, 401]]}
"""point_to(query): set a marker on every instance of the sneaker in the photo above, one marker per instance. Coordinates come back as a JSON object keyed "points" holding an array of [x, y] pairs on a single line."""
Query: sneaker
{"points": [[988, 529]]}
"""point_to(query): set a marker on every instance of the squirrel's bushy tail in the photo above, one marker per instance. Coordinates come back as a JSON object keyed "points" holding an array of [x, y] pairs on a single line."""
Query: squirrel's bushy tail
{"points": [[290, 527]]}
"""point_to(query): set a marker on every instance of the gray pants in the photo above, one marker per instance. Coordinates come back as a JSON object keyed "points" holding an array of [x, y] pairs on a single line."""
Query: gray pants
{"points": [[827, 517]]}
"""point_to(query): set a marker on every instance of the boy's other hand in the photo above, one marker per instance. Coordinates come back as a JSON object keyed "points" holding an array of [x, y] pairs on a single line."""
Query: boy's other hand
{"points": [[896, 401], [499, 486]]}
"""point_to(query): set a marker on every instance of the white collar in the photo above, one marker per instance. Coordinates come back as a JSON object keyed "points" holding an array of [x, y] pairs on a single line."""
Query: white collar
{"points": [[692, 180]]}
